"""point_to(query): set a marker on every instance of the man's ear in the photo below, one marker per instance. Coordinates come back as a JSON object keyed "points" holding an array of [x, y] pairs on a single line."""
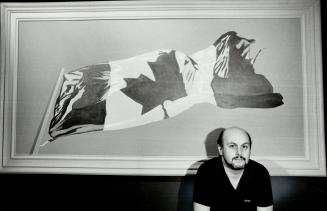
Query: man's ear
{"points": [[220, 149]]}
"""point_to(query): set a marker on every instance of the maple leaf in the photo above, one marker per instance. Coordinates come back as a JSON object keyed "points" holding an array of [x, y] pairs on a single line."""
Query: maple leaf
{"points": [[168, 84]]}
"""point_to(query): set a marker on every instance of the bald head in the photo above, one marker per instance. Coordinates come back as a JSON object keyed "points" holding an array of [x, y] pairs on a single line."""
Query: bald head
{"points": [[231, 133]]}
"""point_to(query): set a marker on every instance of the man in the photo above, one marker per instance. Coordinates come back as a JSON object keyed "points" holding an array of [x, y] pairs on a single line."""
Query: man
{"points": [[232, 181]]}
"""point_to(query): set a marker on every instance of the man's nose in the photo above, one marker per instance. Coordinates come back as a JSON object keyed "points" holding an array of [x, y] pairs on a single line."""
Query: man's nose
{"points": [[238, 151]]}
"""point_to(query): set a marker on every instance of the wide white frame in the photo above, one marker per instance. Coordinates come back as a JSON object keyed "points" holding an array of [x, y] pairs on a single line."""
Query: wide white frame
{"points": [[308, 11]]}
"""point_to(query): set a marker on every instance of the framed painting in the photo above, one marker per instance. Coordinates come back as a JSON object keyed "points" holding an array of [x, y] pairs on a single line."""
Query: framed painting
{"points": [[145, 88]]}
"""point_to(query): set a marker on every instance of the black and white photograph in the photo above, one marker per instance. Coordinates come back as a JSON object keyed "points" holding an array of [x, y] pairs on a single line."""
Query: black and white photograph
{"points": [[163, 89]]}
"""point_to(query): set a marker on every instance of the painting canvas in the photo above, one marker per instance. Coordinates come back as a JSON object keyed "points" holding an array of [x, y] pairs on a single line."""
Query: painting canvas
{"points": [[148, 88], [267, 72], [160, 85]]}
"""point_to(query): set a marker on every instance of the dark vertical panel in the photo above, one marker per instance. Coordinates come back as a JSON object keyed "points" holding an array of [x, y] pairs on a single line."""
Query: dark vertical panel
{"points": [[299, 193]]}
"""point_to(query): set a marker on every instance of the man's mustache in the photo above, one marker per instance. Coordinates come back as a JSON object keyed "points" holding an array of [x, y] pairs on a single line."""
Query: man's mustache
{"points": [[239, 157]]}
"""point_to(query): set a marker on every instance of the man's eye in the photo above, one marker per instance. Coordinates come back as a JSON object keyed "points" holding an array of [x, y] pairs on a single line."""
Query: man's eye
{"points": [[245, 146], [232, 146]]}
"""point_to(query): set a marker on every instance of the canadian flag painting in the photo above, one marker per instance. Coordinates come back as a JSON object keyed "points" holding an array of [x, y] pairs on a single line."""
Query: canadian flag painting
{"points": [[158, 85]]}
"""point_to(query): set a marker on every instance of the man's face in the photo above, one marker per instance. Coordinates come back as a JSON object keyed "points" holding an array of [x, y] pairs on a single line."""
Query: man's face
{"points": [[236, 148]]}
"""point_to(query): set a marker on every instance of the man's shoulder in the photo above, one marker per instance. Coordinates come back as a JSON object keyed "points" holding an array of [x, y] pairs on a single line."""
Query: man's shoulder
{"points": [[256, 167], [212, 160], [256, 164], [210, 163], [210, 168]]}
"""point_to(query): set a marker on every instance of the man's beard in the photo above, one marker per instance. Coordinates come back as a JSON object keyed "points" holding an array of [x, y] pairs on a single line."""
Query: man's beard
{"points": [[238, 163]]}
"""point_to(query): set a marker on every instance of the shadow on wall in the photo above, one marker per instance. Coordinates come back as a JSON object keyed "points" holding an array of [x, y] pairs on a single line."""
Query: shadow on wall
{"points": [[211, 142]]}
